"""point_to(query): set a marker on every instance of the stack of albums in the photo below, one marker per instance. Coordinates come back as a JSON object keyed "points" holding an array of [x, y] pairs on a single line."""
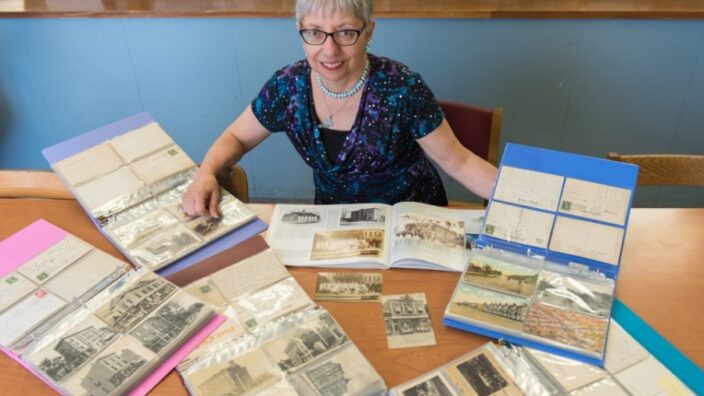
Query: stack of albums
{"points": [[84, 323], [512, 370], [276, 341], [552, 238], [129, 177]]}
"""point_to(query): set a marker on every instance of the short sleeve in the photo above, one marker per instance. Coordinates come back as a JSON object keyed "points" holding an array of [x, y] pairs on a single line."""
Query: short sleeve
{"points": [[269, 106], [424, 113]]}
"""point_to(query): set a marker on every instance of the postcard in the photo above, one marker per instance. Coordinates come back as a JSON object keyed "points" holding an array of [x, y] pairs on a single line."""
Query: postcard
{"points": [[26, 314], [595, 201], [135, 300], [346, 372], [431, 384], [141, 229], [276, 300], [206, 290], [140, 142], [166, 327], [501, 275], [208, 227], [528, 188], [85, 274], [425, 237], [65, 355], [54, 259], [246, 374], [650, 377], [363, 216], [113, 371], [89, 164], [13, 287], [571, 374], [309, 342], [589, 240], [407, 320], [519, 225], [367, 242], [575, 329], [161, 164], [580, 295], [98, 193], [622, 350], [348, 286], [169, 244], [605, 387], [249, 275], [132, 213], [486, 306], [481, 375]]}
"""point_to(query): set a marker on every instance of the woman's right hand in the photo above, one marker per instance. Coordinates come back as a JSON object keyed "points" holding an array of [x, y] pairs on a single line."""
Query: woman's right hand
{"points": [[202, 196]]}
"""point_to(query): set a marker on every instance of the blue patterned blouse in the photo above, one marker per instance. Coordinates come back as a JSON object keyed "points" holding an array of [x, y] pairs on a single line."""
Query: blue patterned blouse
{"points": [[380, 161]]}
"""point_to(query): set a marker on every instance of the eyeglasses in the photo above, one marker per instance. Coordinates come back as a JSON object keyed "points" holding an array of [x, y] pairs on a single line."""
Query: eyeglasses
{"points": [[340, 37]]}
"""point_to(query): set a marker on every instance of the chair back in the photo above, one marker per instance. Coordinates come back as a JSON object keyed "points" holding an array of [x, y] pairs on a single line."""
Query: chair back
{"points": [[234, 180], [666, 169], [17, 183], [478, 129]]}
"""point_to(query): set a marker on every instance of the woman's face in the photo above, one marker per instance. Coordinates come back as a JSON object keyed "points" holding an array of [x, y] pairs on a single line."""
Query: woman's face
{"points": [[339, 66]]}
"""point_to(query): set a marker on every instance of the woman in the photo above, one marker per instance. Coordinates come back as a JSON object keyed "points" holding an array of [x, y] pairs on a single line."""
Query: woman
{"points": [[363, 123]]}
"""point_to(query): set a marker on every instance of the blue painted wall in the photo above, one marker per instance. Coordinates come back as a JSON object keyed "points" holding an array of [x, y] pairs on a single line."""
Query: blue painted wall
{"points": [[586, 86]]}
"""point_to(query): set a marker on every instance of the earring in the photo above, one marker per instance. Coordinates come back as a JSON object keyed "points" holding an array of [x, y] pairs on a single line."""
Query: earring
{"points": [[368, 45]]}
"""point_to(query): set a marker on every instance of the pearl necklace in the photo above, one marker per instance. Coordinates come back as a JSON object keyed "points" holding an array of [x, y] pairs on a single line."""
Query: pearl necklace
{"points": [[344, 94]]}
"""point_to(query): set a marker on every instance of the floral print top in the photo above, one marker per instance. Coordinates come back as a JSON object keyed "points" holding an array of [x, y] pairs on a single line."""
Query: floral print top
{"points": [[380, 160]]}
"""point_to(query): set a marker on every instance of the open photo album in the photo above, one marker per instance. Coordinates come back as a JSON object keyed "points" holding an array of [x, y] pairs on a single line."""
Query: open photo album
{"points": [[405, 235], [129, 177], [550, 248], [85, 323]]}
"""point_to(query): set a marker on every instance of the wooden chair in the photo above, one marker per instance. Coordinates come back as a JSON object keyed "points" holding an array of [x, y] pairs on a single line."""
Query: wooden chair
{"points": [[666, 169], [16, 183], [478, 129], [234, 180]]}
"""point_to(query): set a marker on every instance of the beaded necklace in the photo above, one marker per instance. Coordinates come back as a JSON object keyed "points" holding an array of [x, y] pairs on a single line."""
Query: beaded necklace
{"points": [[344, 94]]}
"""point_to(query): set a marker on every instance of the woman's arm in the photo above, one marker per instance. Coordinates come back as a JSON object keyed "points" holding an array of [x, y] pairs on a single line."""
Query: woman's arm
{"points": [[242, 135], [473, 172]]}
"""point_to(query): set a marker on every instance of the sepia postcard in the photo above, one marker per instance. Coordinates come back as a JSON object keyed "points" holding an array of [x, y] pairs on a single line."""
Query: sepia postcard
{"points": [[622, 350], [431, 384], [518, 225], [140, 142], [89, 164], [166, 327], [528, 188], [363, 216], [264, 305], [481, 375], [348, 243], [501, 275], [135, 301], [206, 290], [54, 259], [580, 295], [13, 287], [247, 374], [251, 274], [489, 307], [407, 320], [68, 353], [141, 229], [605, 387], [426, 237], [571, 328], [167, 245], [309, 342], [569, 373], [85, 274], [161, 164], [595, 201], [111, 372], [348, 286], [346, 372], [26, 314], [586, 239]]}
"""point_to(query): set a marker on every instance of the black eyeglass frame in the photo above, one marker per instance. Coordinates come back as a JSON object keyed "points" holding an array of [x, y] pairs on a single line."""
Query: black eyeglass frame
{"points": [[302, 32]]}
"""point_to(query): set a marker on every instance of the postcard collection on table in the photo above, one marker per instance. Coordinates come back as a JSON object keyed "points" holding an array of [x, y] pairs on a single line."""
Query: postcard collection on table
{"points": [[82, 320], [131, 182]]}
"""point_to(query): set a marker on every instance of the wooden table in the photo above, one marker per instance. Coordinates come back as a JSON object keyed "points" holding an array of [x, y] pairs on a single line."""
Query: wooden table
{"points": [[661, 279]]}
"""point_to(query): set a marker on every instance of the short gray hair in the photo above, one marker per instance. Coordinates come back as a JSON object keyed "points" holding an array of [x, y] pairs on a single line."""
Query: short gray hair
{"points": [[361, 8]]}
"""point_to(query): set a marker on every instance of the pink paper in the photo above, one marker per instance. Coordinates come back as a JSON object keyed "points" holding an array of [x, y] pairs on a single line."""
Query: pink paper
{"points": [[173, 361], [27, 244]]}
